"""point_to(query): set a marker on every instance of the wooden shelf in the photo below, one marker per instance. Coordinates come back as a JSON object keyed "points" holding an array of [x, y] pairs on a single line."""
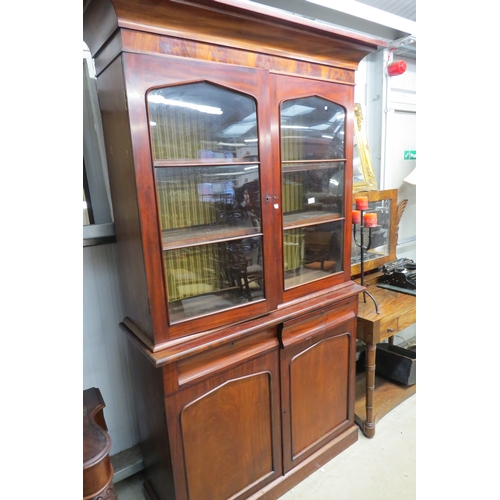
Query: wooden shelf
{"points": [[192, 236], [307, 218], [386, 397]]}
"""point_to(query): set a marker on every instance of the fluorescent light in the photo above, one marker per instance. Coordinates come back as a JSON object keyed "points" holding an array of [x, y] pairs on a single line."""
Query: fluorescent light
{"points": [[238, 129], [296, 109], [159, 99], [368, 13], [322, 126]]}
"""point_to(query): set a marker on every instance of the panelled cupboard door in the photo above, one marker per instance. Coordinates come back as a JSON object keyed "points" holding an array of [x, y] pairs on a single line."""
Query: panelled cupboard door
{"points": [[226, 433], [202, 156], [314, 157], [317, 383]]}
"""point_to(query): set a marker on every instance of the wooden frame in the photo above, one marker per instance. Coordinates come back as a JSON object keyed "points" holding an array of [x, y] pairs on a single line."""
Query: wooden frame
{"points": [[388, 225], [363, 173]]}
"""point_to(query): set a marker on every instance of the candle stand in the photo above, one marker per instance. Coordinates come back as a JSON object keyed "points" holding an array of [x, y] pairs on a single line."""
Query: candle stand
{"points": [[364, 248]]}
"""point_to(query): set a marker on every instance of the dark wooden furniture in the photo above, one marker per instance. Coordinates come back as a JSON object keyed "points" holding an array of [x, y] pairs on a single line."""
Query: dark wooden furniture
{"points": [[376, 396], [97, 468], [229, 135]]}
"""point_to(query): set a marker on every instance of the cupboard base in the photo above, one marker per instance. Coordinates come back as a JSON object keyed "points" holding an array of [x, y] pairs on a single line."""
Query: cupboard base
{"points": [[285, 483], [280, 486]]}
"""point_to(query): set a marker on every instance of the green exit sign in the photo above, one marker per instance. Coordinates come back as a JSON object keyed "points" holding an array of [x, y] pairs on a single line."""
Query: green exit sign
{"points": [[410, 155]]}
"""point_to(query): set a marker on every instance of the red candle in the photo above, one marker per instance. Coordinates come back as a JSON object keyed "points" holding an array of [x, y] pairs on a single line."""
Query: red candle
{"points": [[362, 202], [356, 217], [370, 219]]}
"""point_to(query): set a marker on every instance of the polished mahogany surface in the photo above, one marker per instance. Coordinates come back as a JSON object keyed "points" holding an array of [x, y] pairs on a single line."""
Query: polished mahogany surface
{"points": [[97, 468]]}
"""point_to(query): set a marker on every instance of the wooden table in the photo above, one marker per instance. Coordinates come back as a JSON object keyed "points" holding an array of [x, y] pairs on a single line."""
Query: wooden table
{"points": [[375, 396]]}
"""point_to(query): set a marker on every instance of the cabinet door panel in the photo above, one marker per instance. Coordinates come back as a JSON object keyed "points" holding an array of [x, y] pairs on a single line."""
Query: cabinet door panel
{"points": [[227, 432], [317, 382]]}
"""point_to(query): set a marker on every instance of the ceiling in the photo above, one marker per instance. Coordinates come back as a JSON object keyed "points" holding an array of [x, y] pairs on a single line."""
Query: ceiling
{"points": [[402, 8], [391, 21]]}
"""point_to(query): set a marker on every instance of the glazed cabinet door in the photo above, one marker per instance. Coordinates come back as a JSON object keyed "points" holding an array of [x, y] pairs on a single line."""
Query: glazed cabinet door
{"points": [[203, 164], [317, 380], [314, 119], [225, 432]]}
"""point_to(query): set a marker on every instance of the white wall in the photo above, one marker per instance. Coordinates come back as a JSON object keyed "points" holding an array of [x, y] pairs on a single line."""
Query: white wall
{"points": [[389, 110], [105, 363]]}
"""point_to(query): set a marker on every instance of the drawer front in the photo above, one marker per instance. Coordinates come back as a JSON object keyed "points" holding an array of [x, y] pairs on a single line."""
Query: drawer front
{"points": [[406, 320], [389, 328]]}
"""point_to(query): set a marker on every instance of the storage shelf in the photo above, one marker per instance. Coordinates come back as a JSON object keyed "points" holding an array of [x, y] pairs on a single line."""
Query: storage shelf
{"points": [[386, 397], [308, 218], [181, 238]]}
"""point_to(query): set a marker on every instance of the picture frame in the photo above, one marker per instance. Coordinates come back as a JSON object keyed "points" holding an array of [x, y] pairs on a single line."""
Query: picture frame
{"points": [[363, 174], [384, 236]]}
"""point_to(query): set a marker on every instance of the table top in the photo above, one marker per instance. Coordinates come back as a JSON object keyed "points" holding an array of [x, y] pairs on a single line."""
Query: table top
{"points": [[397, 311]]}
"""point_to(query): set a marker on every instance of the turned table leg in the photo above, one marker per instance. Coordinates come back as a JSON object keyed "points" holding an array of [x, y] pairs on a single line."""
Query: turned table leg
{"points": [[369, 424]]}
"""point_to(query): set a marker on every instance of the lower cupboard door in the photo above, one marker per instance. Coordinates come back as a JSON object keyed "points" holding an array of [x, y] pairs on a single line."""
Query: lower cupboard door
{"points": [[226, 432], [317, 393]]}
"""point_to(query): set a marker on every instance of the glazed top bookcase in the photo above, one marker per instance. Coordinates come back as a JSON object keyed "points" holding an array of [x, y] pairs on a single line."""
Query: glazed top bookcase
{"points": [[228, 129], [235, 152]]}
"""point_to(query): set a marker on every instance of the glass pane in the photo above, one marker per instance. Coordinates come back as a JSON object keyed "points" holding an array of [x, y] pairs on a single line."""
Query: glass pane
{"points": [[208, 202], [312, 128], [312, 190], [201, 120], [208, 278], [380, 235], [312, 252]]}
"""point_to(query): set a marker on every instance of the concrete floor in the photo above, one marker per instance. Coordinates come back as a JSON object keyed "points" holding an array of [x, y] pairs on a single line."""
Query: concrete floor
{"points": [[380, 468]]}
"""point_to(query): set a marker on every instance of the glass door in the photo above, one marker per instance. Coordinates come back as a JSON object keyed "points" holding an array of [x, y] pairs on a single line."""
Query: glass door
{"points": [[313, 157], [208, 187]]}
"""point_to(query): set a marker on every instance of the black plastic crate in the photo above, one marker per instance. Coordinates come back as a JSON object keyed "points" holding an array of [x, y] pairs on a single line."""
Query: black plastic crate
{"points": [[393, 363], [396, 363]]}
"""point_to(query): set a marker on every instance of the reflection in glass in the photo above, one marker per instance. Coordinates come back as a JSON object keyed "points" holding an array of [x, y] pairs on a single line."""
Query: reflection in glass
{"points": [[312, 128], [380, 239], [357, 170], [312, 252], [208, 278], [209, 214], [202, 121], [312, 188], [313, 166], [193, 196]]}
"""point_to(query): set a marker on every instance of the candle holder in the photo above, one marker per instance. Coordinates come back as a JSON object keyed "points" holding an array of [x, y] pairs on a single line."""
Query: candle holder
{"points": [[364, 248]]}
